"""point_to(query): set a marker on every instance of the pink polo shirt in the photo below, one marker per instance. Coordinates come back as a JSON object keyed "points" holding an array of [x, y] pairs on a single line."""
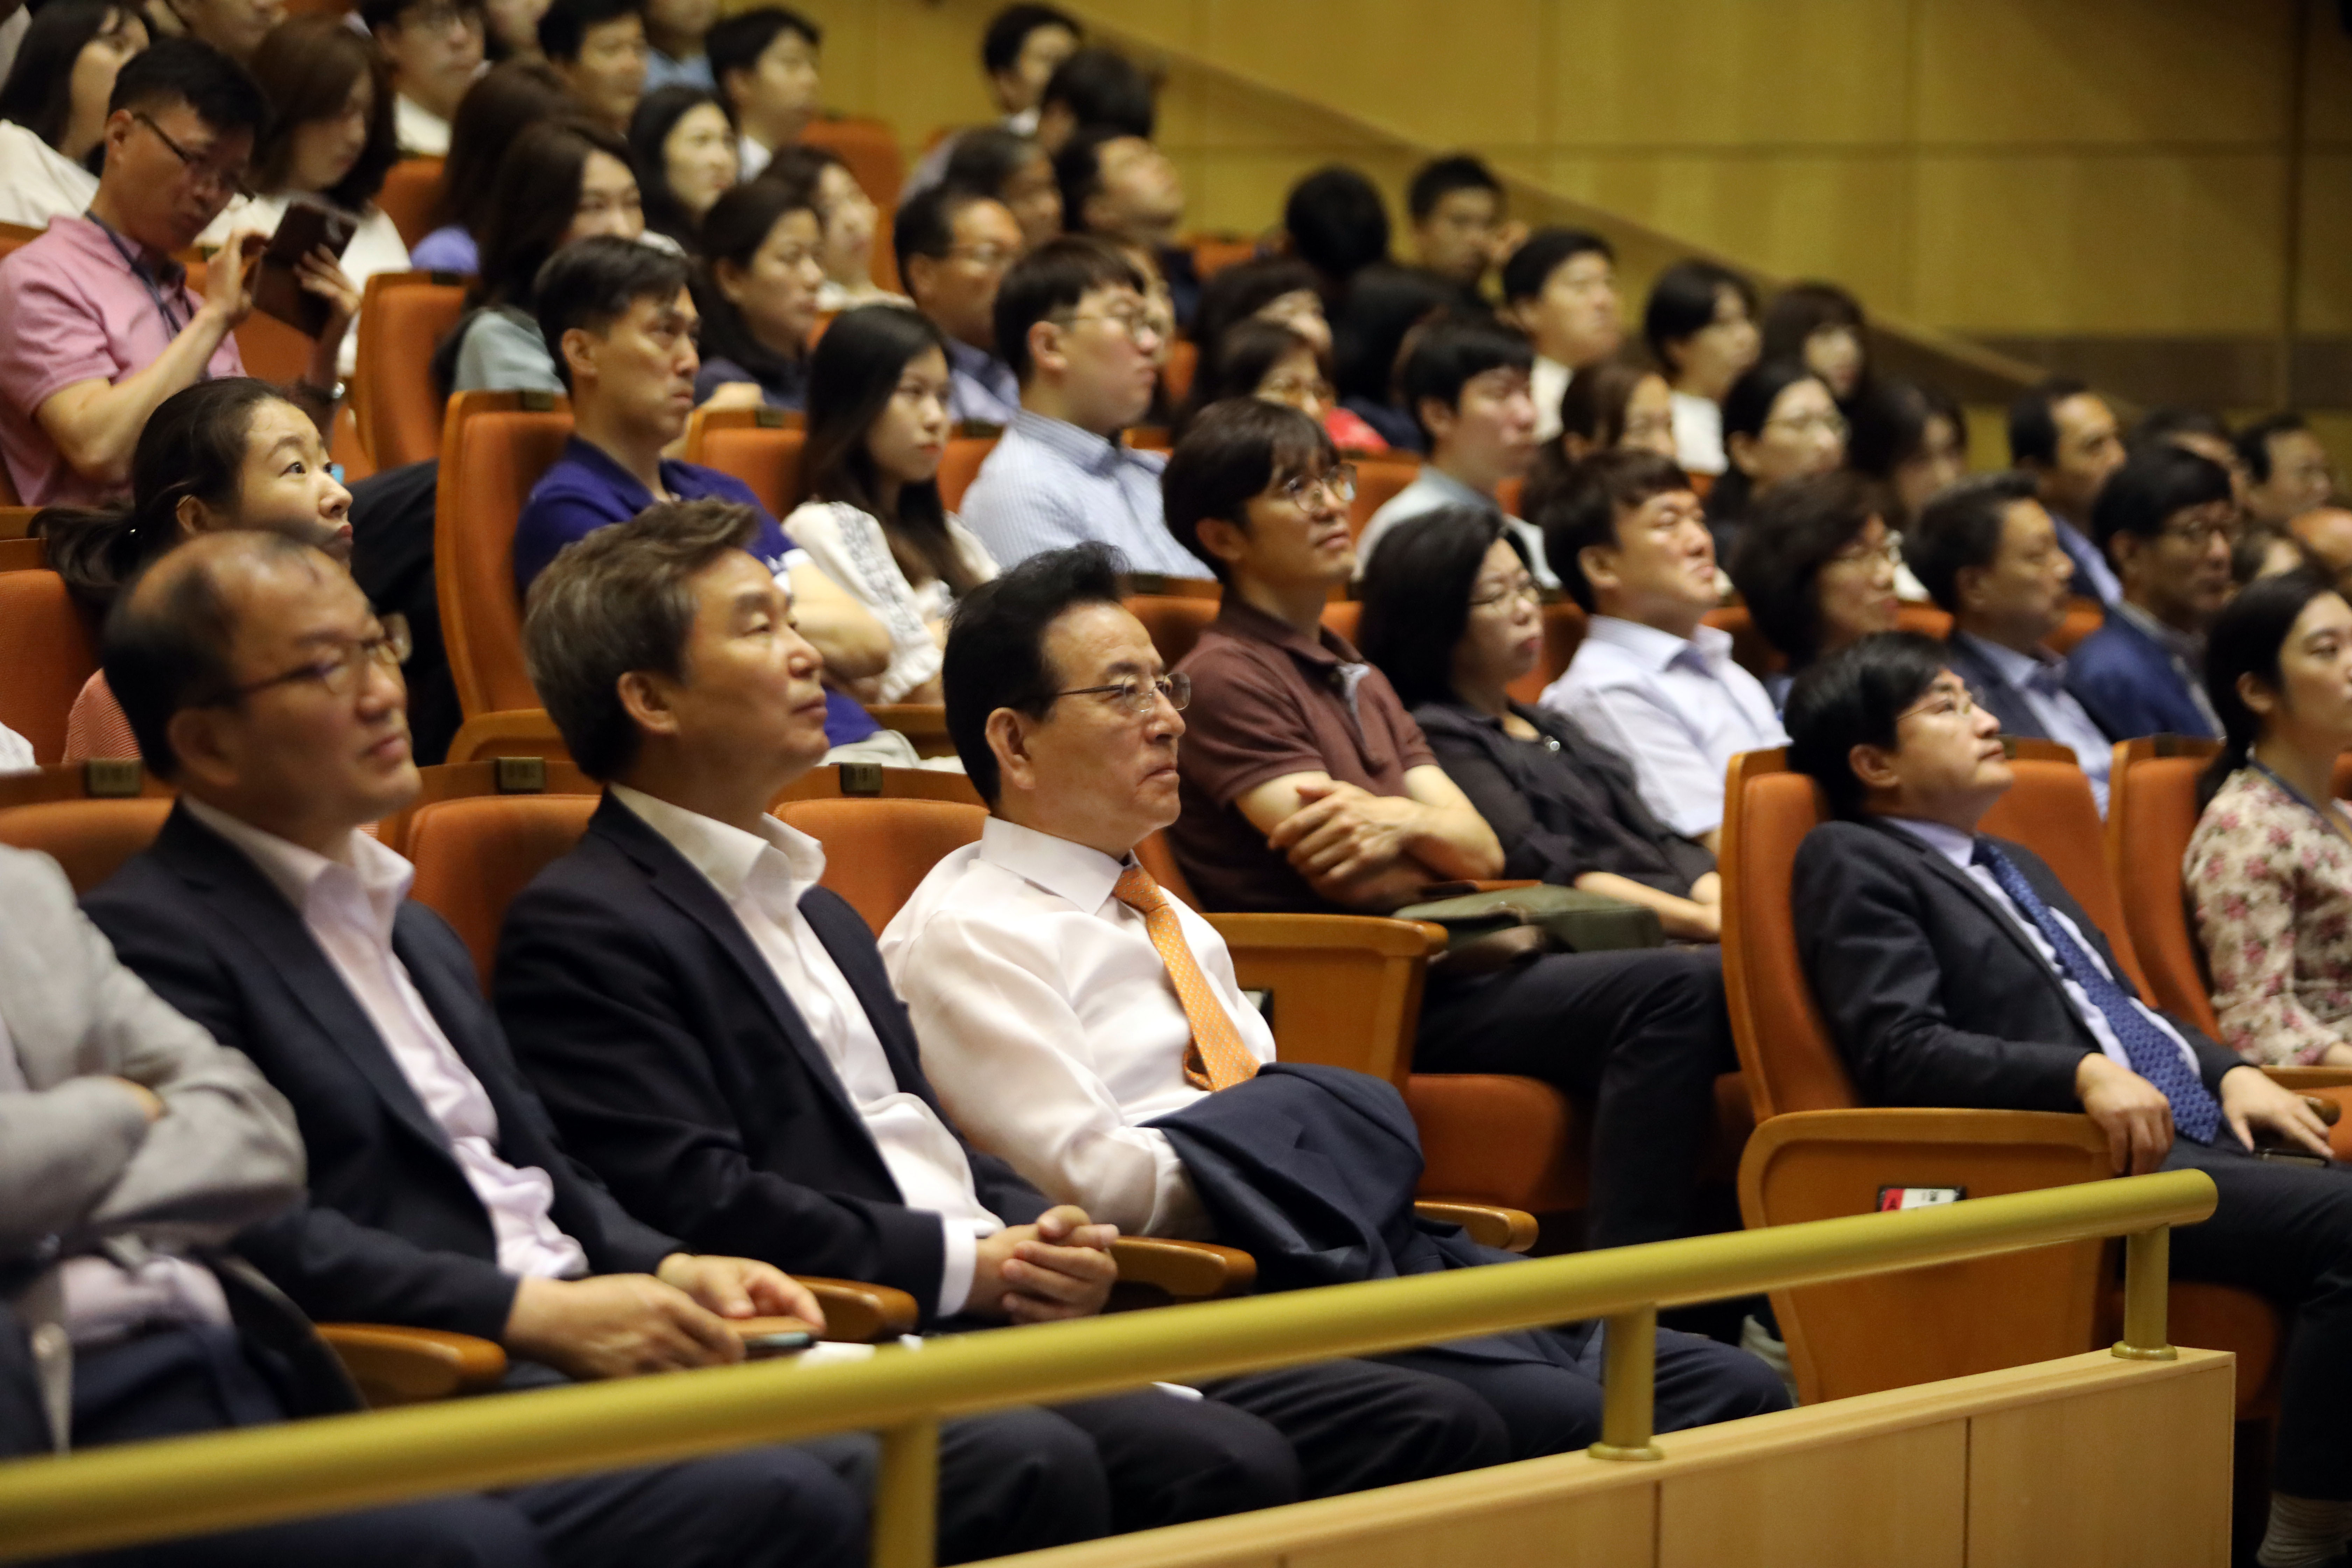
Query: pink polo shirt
{"points": [[71, 310]]}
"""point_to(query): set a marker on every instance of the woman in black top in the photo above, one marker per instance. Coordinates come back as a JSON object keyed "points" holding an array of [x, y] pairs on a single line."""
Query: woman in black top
{"points": [[1451, 617]]}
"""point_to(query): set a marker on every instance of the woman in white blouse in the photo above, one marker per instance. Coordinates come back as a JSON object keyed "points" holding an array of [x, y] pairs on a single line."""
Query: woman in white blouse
{"points": [[877, 426], [53, 106]]}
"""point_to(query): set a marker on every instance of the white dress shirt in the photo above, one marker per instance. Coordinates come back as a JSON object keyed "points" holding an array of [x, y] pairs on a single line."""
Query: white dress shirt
{"points": [[2042, 683], [347, 905], [751, 156], [38, 183], [1547, 381], [417, 130], [1050, 1028], [1699, 434], [1960, 848], [1679, 711], [761, 878], [1433, 488], [15, 753]]}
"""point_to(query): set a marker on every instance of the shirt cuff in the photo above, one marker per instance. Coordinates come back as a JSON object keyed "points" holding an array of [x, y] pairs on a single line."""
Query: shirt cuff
{"points": [[959, 1256]]}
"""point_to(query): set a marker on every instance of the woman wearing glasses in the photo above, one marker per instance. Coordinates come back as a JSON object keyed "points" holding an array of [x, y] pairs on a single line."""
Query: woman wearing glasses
{"points": [[1259, 357], [878, 426], [1817, 565], [222, 454], [1452, 617], [1780, 423]]}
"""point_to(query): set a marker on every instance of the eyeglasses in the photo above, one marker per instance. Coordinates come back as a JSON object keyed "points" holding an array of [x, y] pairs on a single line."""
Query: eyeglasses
{"points": [[1522, 586], [227, 182], [1338, 483], [2203, 534], [1941, 702], [1139, 695], [337, 672], [1889, 553], [1136, 322], [1806, 424]]}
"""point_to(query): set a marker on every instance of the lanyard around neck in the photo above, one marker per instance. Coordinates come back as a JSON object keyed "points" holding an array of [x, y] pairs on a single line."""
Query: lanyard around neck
{"points": [[172, 325]]}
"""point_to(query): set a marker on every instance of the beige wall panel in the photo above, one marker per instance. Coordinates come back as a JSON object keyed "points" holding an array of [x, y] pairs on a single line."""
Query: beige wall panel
{"points": [[2326, 293], [2327, 59], [2101, 70], [1616, 1528], [2099, 244], [1678, 73], [2081, 1482], [1243, 193], [1796, 1510]]}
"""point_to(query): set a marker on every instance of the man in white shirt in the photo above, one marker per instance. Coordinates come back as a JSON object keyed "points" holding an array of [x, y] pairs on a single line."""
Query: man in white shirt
{"points": [[717, 1035], [1651, 680], [1988, 552], [259, 680], [435, 51], [1468, 383]]}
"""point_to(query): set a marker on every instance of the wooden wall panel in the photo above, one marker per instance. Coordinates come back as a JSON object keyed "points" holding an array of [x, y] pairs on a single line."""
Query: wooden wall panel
{"points": [[1779, 1512]]}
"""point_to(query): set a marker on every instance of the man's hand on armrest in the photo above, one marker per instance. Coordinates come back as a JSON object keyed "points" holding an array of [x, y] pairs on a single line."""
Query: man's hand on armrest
{"points": [[740, 1288], [2132, 1113], [1060, 1266], [615, 1325]]}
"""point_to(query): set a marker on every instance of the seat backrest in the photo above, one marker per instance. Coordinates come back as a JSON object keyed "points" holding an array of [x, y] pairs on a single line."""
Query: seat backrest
{"points": [[1212, 254], [474, 855], [412, 189], [46, 655], [2151, 813], [1564, 621], [960, 465], [1378, 479], [23, 555], [1345, 618], [766, 458], [871, 781], [1790, 1061], [90, 838], [1183, 364], [2083, 616], [1174, 622], [2051, 811], [870, 148], [524, 733], [270, 348], [99, 778], [1345, 989], [494, 447], [1929, 619], [399, 408], [878, 852], [504, 776], [1756, 657]]}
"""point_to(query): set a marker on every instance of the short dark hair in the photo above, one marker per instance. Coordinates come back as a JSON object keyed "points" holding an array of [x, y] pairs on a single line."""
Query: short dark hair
{"points": [[1890, 423], [181, 71], [593, 282], [1799, 310], [2166, 422], [1054, 277], [1855, 698], [1961, 528], [1790, 535], [2254, 441], [1229, 455], [986, 157], [1546, 252], [1441, 177], [736, 43], [1103, 86], [1582, 513], [381, 13], [1416, 596], [1747, 408], [1242, 357], [2246, 638], [1450, 351], [2033, 420], [1077, 169], [1682, 305], [563, 26], [2155, 483], [1008, 34], [168, 647], [1337, 222], [996, 647], [617, 600], [924, 224]]}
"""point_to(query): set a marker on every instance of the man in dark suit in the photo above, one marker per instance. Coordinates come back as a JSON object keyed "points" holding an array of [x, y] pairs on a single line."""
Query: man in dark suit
{"points": [[718, 1037], [1990, 553], [2168, 518], [256, 678], [1954, 970]]}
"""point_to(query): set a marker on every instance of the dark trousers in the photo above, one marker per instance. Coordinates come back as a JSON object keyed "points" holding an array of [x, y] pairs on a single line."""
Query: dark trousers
{"points": [[772, 1506], [1640, 1036], [2285, 1231]]}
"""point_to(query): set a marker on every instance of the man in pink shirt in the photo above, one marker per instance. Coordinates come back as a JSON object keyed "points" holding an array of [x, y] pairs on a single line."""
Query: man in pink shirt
{"points": [[98, 325]]}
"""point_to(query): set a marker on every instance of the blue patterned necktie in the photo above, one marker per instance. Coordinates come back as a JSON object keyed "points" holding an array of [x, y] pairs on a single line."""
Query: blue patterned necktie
{"points": [[2153, 1054]]}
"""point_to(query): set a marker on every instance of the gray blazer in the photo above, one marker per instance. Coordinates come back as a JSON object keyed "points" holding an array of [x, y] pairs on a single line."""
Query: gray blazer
{"points": [[79, 1163]]}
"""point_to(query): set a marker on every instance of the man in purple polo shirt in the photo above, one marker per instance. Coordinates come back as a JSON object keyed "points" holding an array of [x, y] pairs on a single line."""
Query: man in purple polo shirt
{"points": [[98, 325], [620, 323]]}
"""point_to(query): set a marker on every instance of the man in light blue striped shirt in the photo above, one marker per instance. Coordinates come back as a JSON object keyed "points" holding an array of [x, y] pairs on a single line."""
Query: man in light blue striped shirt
{"points": [[1073, 322]]}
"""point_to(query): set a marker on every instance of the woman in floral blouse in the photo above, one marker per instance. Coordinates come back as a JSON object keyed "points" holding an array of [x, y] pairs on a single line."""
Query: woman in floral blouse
{"points": [[2270, 867]]}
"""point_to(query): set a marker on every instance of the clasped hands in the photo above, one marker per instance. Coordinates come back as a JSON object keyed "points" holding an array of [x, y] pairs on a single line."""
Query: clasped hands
{"points": [[1059, 1267], [1343, 837]]}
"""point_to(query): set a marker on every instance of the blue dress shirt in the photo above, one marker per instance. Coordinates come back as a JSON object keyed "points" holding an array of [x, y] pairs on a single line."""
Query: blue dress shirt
{"points": [[1049, 485]]}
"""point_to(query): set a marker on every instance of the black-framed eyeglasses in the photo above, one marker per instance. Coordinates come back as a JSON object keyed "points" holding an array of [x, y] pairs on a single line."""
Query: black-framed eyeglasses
{"points": [[337, 672], [1138, 695], [224, 179]]}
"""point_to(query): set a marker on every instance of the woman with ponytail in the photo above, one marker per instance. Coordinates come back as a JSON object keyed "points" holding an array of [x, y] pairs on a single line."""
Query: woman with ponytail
{"points": [[2269, 869], [228, 454]]}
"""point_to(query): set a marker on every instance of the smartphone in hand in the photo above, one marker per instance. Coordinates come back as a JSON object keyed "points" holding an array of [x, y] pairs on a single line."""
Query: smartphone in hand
{"points": [[277, 288]]}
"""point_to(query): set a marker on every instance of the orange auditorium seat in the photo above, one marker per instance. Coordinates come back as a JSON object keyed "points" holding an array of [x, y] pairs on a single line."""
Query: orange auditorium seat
{"points": [[755, 445], [2083, 616], [870, 148], [88, 839], [961, 466], [1212, 253], [1378, 479], [412, 190], [1175, 621], [47, 653], [494, 447], [473, 856], [1183, 364], [400, 410], [1346, 617], [878, 852]]}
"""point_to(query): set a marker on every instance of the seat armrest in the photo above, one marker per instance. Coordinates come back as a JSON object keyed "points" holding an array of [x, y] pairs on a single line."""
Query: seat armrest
{"points": [[2304, 1080], [1509, 1230], [860, 1313], [395, 1366], [1155, 1271]]}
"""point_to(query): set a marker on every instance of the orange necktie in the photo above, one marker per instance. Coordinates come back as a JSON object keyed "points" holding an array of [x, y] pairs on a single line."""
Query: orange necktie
{"points": [[1218, 1059]]}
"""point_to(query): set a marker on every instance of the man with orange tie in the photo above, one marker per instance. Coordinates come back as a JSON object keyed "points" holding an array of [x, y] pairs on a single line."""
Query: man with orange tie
{"points": [[1086, 1027], [717, 1038]]}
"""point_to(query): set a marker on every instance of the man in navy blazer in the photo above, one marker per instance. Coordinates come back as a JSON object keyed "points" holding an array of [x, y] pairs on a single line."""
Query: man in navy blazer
{"points": [[1954, 970], [257, 679], [2166, 518], [716, 1033]]}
